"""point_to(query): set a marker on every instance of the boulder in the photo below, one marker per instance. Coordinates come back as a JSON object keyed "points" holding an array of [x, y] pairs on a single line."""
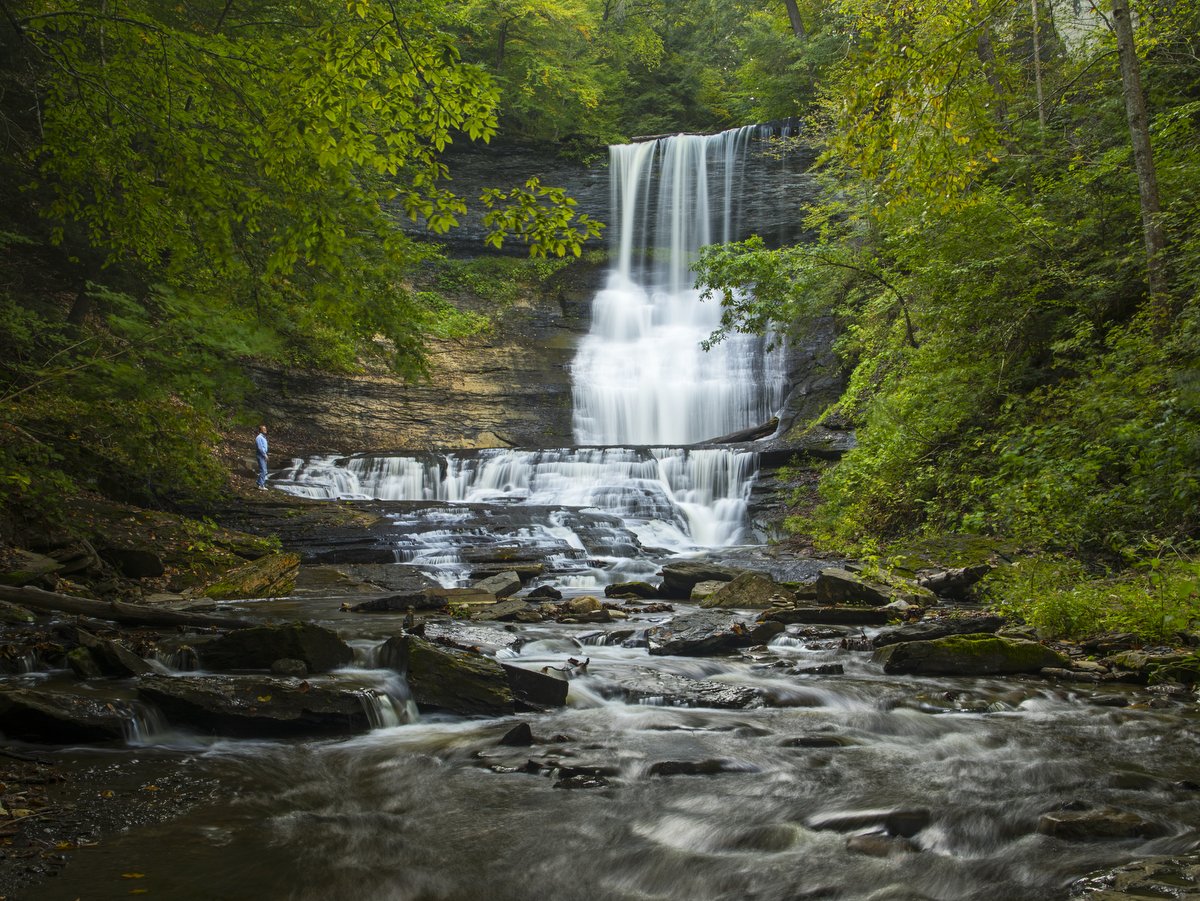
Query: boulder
{"points": [[953, 583], [19, 567], [519, 736], [642, 685], [83, 664], [702, 590], [939, 628], [447, 678], [544, 592], [708, 632], [708, 767], [138, 563], [253, 706], [631, 590], [1098, 823], [840, 586], [12, 615], [749, 591], [423, 599], [678, 579], [902, 821], [271, 576], [112, 657], [830, 616], [968, 655], [501, 584], [290, 667], [582, 605], [260, 646], [533, 690], [501, 611], [57, 718]]}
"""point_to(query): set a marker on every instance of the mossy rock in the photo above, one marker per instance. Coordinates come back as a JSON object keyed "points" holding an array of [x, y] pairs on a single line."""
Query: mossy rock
{"points": [[749, 591], [968, 655], [948, 551], [270, 576], [260, 646]]}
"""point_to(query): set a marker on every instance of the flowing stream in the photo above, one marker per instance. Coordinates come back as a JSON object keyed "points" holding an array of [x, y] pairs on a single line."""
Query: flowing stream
{"points": [[628, 795]]}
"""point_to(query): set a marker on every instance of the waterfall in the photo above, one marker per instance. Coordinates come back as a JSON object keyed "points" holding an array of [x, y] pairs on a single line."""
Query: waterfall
{"points": [[643, 389], [641, 375]]}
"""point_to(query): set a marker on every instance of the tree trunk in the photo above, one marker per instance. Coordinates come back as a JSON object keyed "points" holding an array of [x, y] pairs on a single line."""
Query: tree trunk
{"points": [[793, 12], [116, 611], [1037, 65], [1143, 155]]}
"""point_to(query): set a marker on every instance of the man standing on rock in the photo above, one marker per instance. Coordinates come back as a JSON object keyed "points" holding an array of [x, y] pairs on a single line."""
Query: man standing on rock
{"points": [[260, 444]]}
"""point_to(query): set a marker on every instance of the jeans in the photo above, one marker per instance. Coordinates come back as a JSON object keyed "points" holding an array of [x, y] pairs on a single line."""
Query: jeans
{"points": [[262, 470]]}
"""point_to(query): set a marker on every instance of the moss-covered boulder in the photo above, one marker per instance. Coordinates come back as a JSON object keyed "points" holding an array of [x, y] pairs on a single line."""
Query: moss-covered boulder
{"points": [[260, 646], [20, 567], [271, 576], [968, 655], [749, 591], [840, 586]]}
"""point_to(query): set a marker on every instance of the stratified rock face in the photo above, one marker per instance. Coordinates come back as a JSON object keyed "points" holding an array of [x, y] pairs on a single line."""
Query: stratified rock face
{"points": [[260, 646], [47, 716], [510, 386], [968, 655], [271, 576]]}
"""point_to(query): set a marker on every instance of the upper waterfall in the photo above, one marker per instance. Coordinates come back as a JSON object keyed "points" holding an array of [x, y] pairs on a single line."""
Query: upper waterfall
{"points": [[641, 376]]}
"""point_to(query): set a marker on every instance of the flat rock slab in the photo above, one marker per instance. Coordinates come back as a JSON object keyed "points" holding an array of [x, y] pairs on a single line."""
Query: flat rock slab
{"points": [[1176, 876], [709, 632], [968, 655], [642, 685], [260, 646], [1101, 823], [60, 718], [449, 678], [501, 584], [256, 706], [831, 616], [941, 627]]}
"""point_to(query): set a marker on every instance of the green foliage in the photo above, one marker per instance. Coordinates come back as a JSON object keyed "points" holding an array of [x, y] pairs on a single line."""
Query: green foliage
{"points": [[541, 216], [1060, 597]]}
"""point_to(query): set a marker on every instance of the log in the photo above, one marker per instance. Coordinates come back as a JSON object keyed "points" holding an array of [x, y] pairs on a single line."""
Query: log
{"points": [[116, 611]]}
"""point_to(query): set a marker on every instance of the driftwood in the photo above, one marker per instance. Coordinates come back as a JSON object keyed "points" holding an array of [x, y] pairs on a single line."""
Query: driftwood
{"points": [[116, 611]]}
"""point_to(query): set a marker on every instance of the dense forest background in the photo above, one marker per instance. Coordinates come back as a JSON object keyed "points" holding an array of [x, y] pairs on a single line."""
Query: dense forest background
{"points": [[1007, 235]]}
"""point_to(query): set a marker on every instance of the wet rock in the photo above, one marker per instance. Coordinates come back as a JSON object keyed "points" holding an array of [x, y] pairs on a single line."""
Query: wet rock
{"points": [[640, 685], [750, 590], [271, 576], [1157, 665], [901, 821], [12, 615], [770, 838], [967, 655], [876, 845], [708, 632], [501, 611], [141, 563], [59, 718], [249, 706], [1058, 674], [447, 678], [582, 605], [519, 736], [289, 666], [260, 646], [533, 690], [544, 592], [840, 586], [1176, 876], [953, 583], [940, 627], [501, 585], [582, 781], [678, 579], [83, 664], [697, 767], [822, 669], [831, 616], [19, 567], [816, 741], [1100, 823], [112, 657], [631, 590], [702, 590], [424, 599], [392, 577], [471, 637]]}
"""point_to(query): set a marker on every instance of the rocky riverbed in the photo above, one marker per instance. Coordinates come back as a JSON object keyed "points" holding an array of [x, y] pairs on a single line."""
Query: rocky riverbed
{"points": [[766, 725]]}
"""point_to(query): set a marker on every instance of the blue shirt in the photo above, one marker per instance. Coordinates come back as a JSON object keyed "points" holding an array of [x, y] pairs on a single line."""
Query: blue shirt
{"points": [[261, 442]]}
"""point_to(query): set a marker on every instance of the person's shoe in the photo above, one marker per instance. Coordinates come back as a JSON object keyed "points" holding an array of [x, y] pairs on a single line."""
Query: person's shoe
{"points": [[262, 487]]}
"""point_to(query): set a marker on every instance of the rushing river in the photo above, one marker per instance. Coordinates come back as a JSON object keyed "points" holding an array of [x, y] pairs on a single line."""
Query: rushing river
{"points": [[437, 809]]}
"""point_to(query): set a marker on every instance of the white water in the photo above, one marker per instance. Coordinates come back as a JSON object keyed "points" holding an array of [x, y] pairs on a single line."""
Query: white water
{"points": [[640, 377]]}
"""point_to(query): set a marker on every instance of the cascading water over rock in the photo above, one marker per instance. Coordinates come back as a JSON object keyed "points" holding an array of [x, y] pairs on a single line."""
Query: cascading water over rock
{"points": [[643, 385]]}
